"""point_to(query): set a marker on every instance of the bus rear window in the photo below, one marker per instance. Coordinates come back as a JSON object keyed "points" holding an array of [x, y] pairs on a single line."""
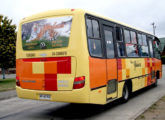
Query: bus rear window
{"points": [[46, 33]]}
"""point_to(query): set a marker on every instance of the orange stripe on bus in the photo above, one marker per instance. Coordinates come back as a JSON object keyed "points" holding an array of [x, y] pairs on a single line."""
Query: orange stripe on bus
{"points": [[111, 69], [50, 67], [123, 63], [119, 75], [143, 71], [127, 73], [97, 68], [119, 64], [28, 80]]}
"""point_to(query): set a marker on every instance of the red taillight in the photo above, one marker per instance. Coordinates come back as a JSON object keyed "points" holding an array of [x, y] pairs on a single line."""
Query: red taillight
{"points": [[72, 9], [79, 82], [17, 81]]}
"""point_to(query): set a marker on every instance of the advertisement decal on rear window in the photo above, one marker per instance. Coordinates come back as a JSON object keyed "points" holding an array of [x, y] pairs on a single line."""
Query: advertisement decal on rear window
{"points": [[46, 33]]}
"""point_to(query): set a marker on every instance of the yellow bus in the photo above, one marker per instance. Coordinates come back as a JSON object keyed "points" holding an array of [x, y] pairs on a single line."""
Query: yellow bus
{"points": [[75, 56]]}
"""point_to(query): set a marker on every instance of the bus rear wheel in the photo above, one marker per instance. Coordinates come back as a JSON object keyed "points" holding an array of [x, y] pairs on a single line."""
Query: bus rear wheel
{"points": [[156, 82], [126, 94]]}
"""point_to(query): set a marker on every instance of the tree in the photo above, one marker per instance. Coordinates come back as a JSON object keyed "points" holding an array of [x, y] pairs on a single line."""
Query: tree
{"points": [[7, 44]]}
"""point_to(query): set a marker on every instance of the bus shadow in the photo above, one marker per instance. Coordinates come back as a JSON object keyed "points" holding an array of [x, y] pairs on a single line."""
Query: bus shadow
{"points": [[80, 111], [141, 91], [86, 111]]}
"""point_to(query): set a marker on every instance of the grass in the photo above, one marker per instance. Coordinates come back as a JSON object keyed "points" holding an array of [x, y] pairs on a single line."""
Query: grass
{"points": [[142, 117], [155, 112], [7, 84], [153, 107], [163, 99]]}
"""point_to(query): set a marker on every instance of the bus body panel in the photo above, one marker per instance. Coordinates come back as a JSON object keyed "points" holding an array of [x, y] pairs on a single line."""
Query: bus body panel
{"points": [[51, 74], [158, 67], [98, 80], [98, 96], [77, 50], [139, 70], [97, 72], [112, 69], [75, 96], [101, 72]]}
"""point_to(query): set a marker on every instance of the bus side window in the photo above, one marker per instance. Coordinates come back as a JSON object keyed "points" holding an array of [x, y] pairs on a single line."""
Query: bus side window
{"points": [[96, 31], [109, 43], [131, 43], [120, 43], [95, 48], [144, 40], [150, 47], [156, 48], [140, 41], [89, 28], [127, 36], [94, 40], [119, 34], [133, 37], [143, 47]]}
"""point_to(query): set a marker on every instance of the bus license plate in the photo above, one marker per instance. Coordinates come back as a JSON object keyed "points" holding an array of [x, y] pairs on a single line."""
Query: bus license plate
{"points": [[44, 97]]}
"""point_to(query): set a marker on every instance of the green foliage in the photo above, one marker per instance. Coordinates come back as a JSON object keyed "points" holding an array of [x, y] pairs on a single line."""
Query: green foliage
{"points": [[7, 43], [8, 84]]}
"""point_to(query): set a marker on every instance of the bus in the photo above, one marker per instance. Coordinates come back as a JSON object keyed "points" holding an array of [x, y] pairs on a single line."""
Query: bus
{"points": [[76, 56]]}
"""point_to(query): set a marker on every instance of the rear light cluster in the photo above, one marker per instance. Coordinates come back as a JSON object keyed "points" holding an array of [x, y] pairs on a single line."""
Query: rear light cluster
{"points": [[72, 9], [79, 82], [17, 81]]}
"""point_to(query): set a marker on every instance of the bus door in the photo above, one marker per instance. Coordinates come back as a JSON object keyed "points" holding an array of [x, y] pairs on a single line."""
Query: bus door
{"points": [[111, 62]]}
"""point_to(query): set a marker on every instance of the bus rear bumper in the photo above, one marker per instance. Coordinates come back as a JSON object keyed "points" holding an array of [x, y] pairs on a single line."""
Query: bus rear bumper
{"points": [[74, 96]]}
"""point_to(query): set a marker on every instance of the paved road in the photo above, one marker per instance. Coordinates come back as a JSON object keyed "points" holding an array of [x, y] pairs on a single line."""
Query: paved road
{"points": [[15, 108], [7, 94]]}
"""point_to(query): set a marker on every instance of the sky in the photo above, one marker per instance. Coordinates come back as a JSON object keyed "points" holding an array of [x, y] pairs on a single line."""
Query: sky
{"points": [[137, 13]]}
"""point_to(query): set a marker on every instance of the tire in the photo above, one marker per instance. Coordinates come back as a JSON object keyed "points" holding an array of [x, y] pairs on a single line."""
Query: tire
{"points": [[156, 82], [126, 94]]}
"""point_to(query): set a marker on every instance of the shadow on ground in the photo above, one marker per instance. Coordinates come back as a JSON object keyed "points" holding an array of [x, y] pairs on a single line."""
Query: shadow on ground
{"points": [[85, 111]]}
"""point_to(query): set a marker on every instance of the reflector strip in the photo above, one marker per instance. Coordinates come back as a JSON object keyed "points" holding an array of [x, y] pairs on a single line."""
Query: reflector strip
{"points": [[79, 82]]}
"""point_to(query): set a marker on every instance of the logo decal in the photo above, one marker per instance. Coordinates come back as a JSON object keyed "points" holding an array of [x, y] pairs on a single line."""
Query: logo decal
{"points": [[29, 81], [42, 45], [136, 64]]}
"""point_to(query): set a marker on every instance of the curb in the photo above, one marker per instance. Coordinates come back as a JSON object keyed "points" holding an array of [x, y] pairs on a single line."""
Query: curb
{"points": [[142, 111]]}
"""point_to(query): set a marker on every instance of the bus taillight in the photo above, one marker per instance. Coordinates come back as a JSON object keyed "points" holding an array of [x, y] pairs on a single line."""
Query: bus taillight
{"points": [[72, 9], [79, 82], [17, 81]]}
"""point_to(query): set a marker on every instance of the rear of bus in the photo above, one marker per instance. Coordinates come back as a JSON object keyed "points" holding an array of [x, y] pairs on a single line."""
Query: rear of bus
{"points": [[52, 57]]}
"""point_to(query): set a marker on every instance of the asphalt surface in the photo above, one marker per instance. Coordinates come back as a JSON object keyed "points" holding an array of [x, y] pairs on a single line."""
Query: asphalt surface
{"points": [[15, 108], [7, 94]]}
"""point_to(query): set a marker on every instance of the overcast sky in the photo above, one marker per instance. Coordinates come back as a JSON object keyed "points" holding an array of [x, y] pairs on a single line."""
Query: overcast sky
{"points": [[138, 13]]}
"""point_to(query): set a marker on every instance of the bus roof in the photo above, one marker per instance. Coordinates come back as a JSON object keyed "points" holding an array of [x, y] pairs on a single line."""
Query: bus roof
{"points": [[76, 11]]}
